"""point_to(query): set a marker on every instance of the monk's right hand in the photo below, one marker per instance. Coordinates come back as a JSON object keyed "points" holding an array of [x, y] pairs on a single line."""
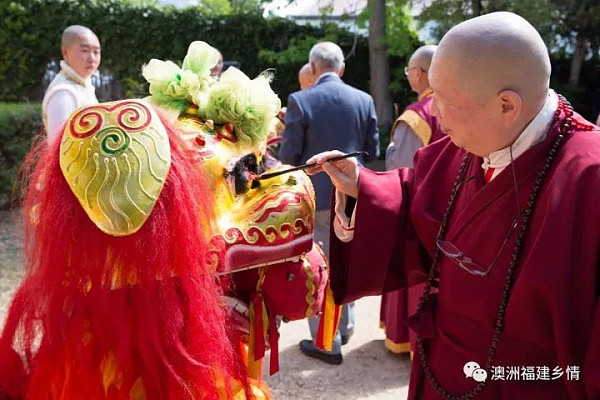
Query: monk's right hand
{"points": [[343, 173]]}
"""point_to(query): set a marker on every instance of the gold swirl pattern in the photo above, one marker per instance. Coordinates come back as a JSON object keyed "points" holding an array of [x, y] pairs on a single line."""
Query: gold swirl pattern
{"points": [[277, 212], [267, 236], [115, 158]]}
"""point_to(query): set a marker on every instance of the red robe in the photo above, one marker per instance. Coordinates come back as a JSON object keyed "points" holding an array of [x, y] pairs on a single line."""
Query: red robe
{"points": [[553, 313], [418, 116]]}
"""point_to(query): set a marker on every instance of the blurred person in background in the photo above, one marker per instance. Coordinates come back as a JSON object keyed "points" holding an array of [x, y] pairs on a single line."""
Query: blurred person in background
{"points": [[72, 87]]}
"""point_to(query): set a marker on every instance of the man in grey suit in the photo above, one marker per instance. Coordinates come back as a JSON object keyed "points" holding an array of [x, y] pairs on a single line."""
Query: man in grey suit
{"points": [[330, 115]]}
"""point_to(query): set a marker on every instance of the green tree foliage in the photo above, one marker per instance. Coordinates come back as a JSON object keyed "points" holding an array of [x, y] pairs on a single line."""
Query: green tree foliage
{"points": [[402, 40], [292, 52], [570, 29], [214, 7], [131, 32], [558, 21], [18, 125], [447, 13]]}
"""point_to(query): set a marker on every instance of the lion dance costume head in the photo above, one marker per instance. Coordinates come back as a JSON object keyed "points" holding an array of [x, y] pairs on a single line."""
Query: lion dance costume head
{"points": [[138, 222]]}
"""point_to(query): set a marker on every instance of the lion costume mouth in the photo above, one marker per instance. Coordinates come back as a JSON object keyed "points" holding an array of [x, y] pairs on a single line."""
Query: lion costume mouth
{"points": [[258, 223], [262, 236]]}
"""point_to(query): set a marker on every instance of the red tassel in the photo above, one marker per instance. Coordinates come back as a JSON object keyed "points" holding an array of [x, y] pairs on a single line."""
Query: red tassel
{"points": [[259, 327], [274, 343]]}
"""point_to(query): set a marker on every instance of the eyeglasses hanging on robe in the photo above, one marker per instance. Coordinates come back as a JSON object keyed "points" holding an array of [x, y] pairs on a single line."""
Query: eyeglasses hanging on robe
{"points": [[464, 261]]}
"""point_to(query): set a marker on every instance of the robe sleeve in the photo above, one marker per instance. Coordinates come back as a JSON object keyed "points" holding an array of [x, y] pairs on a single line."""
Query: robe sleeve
{"points": [[59, 107], [401, 150], [371, 262], [343, 225]]}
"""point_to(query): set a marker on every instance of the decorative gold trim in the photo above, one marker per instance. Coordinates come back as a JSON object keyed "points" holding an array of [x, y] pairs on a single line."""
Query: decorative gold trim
{"points": [[262, 274], [417, 124], [425, 93], [310, 286], [397, 348]]}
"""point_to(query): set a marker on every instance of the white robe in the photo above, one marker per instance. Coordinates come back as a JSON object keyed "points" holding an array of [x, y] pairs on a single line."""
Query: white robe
{"points": [[67, 92]]}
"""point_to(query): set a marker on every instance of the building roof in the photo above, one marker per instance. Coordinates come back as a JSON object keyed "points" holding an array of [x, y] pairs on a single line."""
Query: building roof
{"points": [[307, 9]]}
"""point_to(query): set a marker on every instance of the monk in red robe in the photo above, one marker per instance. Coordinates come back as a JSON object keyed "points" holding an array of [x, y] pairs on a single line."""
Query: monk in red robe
{"points": [[413, 129], [500, 220]]}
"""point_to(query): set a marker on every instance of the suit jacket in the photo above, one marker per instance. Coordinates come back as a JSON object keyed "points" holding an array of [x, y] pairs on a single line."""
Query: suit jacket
{"points": [[329, 116]]}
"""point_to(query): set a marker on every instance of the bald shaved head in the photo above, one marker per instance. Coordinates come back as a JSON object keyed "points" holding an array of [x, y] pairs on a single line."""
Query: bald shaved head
{"points": [[74, 33], [418, 67], [80, 48], [306, 78], [490, 76], [422, 57], [498, 51]]}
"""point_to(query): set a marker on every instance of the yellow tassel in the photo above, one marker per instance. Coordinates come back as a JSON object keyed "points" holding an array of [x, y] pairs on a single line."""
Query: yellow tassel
{"points": [[330, 320], [254, 364]]}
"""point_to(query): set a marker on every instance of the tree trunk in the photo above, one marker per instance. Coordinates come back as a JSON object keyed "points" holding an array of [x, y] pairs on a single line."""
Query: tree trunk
{"points": [[581, 47], [477, 8], [379, 66]]}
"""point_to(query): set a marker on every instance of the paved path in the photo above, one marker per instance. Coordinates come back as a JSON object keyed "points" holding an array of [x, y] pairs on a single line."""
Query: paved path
{"points": [[369, 371], [11, 258]]}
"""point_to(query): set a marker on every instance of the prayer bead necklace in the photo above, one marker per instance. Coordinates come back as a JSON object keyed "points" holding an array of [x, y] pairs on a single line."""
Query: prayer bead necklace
{"points": [[565, 126]]}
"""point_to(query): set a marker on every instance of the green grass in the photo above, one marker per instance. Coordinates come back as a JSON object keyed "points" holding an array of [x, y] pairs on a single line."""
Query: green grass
{"points": [[19, 124]]}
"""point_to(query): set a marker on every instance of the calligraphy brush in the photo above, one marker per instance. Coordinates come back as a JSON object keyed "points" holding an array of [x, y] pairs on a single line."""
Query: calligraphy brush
{"points": [[301, 167]]}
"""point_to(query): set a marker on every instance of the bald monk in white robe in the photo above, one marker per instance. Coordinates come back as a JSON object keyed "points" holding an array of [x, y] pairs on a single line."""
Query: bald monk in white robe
{"points": [[500, 220], [72, 87]]}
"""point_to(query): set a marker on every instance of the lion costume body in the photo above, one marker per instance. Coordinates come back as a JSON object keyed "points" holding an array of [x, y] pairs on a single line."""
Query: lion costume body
{"points": [[138, 221]]}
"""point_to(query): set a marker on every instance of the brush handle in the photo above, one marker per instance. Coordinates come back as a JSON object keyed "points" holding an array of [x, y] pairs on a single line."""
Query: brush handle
{"points": [[301, 167]]}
